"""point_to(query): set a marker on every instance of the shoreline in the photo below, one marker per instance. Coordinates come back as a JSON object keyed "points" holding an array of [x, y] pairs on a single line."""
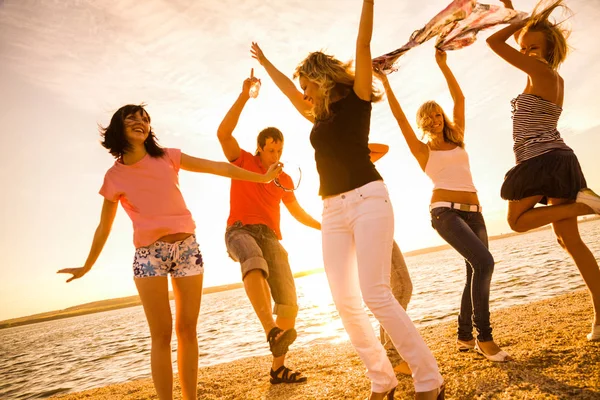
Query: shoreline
{"points": [[116, 304], [441, 247], [552, 360], [134, 300]]}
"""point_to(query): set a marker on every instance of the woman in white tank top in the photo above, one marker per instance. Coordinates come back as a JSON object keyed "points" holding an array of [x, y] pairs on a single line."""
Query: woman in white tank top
{"points": [[455, 210]]}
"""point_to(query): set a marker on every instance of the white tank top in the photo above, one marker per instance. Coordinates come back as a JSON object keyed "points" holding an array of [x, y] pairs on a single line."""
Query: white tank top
{"points": [[450, 170]]}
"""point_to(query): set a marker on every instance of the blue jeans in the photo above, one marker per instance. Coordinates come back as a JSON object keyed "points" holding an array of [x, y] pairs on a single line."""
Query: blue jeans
{"points": [[465, 231]]}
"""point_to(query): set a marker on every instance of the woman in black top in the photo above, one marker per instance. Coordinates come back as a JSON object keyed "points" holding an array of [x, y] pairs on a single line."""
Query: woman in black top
{"points": [[358, 220]]}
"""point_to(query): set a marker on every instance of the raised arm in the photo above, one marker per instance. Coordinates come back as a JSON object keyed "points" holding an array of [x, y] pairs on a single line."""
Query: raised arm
{"points": [[508, 4], [530, 65], [363, 79], [457, 95], [107, 217], [301, 215], [194, 164], [418, 149], [285, 84], [229, 144]]}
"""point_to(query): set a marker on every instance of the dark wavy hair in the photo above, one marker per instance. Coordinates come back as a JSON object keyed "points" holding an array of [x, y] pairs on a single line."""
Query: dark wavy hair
{"points": [[114, 134], [268, 133]]}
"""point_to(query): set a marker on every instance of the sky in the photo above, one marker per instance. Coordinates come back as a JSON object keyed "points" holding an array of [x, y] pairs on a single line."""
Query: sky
{"points": [[67, 65]]}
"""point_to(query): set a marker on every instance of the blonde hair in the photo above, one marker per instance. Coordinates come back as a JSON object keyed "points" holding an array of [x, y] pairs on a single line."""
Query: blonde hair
{"points": [[452, 133], [555, 34], [332, 76]]}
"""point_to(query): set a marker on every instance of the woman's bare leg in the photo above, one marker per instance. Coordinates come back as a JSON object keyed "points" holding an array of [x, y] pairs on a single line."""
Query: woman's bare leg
{"points": [[154, 293], [568, 236], [188, 294], [522, 216]]}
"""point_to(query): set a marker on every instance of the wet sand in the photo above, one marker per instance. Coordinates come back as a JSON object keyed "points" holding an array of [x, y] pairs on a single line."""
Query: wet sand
{"points": [[553, 360]]}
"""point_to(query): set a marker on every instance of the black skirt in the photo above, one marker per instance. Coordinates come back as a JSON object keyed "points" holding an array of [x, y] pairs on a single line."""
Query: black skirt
{"points": [[556, 174]]}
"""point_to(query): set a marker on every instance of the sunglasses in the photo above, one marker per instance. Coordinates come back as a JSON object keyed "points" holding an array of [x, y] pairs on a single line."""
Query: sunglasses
{"points": [[288, 189]]}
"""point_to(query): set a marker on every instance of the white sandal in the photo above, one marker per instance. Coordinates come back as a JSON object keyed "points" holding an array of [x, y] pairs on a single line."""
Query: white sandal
{"points": [[589, 198], [595, 335], [500, 356]]}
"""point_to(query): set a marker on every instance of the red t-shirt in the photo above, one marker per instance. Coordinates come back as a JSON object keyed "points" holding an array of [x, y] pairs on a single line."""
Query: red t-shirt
{"points": [[257, 203]]}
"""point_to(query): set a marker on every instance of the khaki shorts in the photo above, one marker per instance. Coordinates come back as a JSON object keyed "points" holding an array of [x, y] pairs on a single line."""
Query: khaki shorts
{"points": [[257, 247]]}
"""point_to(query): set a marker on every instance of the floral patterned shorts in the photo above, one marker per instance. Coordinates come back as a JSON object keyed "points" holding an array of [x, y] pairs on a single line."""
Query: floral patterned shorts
{"points": [[182, 258]]}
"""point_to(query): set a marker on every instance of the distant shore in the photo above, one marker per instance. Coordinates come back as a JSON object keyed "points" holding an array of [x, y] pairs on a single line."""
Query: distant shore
{"points": [[491, 238], [115, 304], [553, 360], [131, 301]]}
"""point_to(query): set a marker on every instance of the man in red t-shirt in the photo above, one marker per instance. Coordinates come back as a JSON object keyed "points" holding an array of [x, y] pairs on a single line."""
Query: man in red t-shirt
{"points": [[253, 235]]}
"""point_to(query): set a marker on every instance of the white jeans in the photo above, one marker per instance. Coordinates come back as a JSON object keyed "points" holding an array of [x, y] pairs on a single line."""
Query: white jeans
{"points": [[358, 230]]}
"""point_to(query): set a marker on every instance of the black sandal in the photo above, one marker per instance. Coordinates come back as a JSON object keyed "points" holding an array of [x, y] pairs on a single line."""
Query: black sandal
{"points": [[280, 346], [286, 377]]}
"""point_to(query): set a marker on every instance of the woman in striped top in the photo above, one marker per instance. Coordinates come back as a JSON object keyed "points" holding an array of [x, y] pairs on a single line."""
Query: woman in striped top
{"points": [[547, 170]]}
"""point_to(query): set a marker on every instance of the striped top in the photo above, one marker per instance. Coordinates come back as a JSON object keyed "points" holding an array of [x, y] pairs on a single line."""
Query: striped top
{"points": [[534, 127]]}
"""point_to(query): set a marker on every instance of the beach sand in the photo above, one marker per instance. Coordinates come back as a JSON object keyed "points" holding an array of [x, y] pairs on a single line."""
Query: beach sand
{"points": [[553, 360]]}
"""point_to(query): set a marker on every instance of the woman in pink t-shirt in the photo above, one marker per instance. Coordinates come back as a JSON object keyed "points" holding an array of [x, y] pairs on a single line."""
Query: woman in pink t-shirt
{"points": [[145, 180]]}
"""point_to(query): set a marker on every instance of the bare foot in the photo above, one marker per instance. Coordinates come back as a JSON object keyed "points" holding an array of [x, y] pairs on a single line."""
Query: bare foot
{"points": [[430, 395], [403, 368], [490, 348], [381, 396]]}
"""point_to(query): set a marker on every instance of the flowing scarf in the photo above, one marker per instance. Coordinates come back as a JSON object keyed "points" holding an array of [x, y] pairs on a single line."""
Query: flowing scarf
{"points": [[456, 27]]}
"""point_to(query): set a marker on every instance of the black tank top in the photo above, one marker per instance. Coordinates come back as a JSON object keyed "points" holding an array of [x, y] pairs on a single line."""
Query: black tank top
{"points": [[341, 144]]}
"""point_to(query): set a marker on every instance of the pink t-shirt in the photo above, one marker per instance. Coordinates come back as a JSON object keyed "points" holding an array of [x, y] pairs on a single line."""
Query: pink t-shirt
{"points": [[149, 193]]}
